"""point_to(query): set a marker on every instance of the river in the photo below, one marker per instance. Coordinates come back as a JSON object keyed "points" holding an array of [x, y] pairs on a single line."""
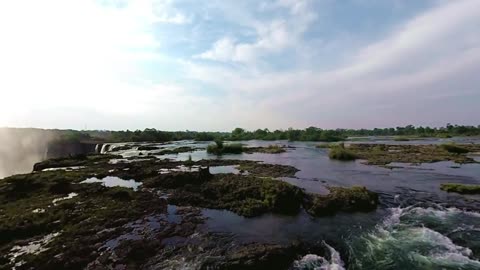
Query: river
{"points": [[416, 226]]}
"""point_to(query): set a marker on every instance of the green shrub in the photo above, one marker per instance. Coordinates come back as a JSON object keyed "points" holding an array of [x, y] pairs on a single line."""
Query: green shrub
{"points": [[219, 143], [443, 136], [231, 148], [234, 148], [340, 153], [452, 148], [401, 139]]}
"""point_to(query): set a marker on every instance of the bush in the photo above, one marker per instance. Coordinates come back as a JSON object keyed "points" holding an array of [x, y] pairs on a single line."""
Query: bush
{"points": [[232, 148], [452, 148], [340, 153], [401, 139]]}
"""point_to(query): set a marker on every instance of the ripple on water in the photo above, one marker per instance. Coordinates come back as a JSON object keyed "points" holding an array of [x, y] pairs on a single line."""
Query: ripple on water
{"points": [[113, 181]]}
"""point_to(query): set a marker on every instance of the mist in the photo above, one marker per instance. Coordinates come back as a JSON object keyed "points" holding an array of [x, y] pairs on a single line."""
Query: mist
{"points": [[21, 148]]}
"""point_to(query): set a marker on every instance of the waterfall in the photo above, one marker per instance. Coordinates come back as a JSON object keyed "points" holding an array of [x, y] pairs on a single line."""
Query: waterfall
{"points": [[105, 148]]}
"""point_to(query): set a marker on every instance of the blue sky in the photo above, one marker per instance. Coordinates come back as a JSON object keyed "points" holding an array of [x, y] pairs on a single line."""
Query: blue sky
{"points": [[219, 64]]}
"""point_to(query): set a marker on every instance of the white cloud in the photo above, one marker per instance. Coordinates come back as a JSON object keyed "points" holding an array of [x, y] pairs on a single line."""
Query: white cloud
{"points": [[272, 36]]}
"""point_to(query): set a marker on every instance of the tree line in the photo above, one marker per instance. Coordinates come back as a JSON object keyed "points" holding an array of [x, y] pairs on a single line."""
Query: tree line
{"points": [[240, 134], [308, 134]]}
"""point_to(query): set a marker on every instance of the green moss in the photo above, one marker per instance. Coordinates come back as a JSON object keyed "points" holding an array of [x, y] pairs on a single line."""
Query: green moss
{"points": [[341, 153], [460, 188]]}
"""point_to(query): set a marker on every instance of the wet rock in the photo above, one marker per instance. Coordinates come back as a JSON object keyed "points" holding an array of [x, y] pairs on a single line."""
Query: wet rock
{"points": [[148, 148], [73, 161], [255, 256]]}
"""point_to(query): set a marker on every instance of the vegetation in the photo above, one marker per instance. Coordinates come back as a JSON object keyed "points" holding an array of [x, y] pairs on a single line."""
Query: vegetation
{"points": [[460, 188], [339, 152], [219, 148], [308, 134], [271, 149], [401, 139], [381, 154], [453, 148]]}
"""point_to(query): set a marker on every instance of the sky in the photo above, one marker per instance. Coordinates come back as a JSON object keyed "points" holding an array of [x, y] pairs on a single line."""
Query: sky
{"points": [[221, 64]]}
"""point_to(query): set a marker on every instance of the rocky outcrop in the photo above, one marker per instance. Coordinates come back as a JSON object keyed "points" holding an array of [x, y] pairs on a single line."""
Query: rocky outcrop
{"points": [[56, 149]]}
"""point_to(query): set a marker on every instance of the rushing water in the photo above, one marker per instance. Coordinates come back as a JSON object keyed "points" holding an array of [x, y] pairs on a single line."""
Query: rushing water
{"points": [[417, 225]]}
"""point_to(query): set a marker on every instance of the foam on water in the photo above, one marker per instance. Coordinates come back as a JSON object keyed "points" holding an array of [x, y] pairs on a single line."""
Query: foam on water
{"points": [[316, 262], [418, 238]]}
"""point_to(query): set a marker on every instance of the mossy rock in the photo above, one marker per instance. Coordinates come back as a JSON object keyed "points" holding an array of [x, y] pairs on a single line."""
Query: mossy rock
{"points": [[341, 199], [245, 195]]}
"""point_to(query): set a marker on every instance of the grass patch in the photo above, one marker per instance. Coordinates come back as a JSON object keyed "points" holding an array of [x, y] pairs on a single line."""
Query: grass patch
{"points": [[452, 148], [460, 188], [341, 153]]}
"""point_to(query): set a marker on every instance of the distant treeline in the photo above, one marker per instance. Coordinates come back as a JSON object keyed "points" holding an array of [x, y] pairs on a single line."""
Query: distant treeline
{"points": [[308, 134]]}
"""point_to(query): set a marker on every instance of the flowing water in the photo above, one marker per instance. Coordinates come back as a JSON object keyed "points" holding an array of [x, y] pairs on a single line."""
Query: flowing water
{"points": [[416, 226]]}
